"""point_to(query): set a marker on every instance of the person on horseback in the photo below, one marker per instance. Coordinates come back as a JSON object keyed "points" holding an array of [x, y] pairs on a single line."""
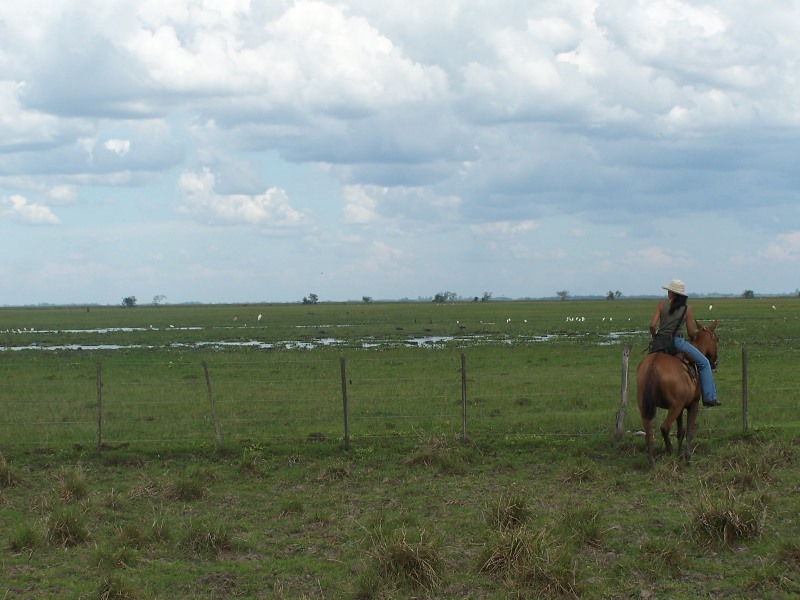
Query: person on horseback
{"points": [[668, 317]]}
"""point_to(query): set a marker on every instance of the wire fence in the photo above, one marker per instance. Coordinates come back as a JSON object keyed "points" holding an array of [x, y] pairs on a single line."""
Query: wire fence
{"points": [[229, 399]]}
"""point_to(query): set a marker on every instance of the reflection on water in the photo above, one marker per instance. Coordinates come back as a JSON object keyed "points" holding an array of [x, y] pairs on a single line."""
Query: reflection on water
{"points": [[428, 341]]}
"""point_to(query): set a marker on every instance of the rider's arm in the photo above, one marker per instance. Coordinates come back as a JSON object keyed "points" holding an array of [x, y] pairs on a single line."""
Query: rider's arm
{"points": [[689, 323], [656, 318]]}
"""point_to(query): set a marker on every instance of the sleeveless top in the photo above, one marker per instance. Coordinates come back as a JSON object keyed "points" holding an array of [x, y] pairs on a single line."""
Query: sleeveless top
{"points": [[671, 322]]}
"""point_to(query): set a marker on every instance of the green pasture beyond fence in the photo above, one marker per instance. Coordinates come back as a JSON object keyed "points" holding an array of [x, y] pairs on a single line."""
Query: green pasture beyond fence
{"points": [[196, 399]]}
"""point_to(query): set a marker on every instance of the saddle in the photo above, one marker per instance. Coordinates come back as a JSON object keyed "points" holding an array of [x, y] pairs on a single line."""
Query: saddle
{"points": [[689, 365]]}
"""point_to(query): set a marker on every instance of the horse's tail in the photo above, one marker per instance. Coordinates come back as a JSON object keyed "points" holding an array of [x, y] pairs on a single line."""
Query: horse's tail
{"points": [[649, 392]]}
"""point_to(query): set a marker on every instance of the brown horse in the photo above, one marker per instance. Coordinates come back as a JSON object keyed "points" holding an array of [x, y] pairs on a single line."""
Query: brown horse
{"points": [[666, 381]]}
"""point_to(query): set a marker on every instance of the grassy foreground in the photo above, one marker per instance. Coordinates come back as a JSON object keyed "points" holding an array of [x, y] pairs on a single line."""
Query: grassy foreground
{"points": [[427, 518]]}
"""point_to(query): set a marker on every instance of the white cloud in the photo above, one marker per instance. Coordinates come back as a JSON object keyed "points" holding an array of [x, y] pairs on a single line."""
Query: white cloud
{"points": [[660, 258], [21, 127], [270, 209], [19, 209], [504, 228], [120, 147], [399, 207], [359, 205], [314, 55], [786, 247]]}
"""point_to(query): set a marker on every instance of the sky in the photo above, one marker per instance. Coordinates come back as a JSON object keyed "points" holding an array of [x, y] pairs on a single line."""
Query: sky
{"points": [[225, 151]]}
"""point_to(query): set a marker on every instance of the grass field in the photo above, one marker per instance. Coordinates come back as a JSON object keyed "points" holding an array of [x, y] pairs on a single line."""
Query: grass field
{"points": [[538, 501]]}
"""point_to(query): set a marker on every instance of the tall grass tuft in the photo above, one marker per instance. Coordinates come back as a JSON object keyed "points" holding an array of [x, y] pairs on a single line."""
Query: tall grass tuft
{"points": [[160, 529], [208, 539], [192, 485], [9, 475], [66, 526], [24, 539], [789, 554], [507, 553], [250, 464], [73, 485], [586, 526], [400, 560], [114, 586], [663, 555], [509, 511], [539, 561], [109, 556], [729, 518], [439, 451]]}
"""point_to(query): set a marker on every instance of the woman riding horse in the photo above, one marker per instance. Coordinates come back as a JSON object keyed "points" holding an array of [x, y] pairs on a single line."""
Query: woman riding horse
{"points": [[664, 381], [669, 316]]}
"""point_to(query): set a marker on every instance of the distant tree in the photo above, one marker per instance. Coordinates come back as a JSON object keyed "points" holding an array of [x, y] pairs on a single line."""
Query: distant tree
{"points": [[486, 296], [159, 299], [443, 297], [563, 294], [610, 295], [613, 295], [748, 294], [366, 299], [129, 301], [312, 299]]}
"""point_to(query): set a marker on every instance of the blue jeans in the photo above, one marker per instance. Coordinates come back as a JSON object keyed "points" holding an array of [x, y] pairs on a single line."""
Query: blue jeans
{"points": [[703, 368]]}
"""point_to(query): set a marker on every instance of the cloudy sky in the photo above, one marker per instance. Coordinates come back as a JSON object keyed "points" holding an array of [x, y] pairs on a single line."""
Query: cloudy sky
{"points": [[263, 150]]}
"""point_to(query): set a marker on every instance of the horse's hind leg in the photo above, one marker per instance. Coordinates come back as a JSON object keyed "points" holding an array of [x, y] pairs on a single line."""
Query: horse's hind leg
{"points": [[691, 418], [672, 415], [681, 432], [648, 440]]}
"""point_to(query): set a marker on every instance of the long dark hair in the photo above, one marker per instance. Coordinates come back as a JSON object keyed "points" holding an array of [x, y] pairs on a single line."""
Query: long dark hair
{"points": [[678, 300]]}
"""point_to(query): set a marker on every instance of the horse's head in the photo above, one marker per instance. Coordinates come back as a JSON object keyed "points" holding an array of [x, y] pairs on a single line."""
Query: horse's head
{"points": [[705, 340]]}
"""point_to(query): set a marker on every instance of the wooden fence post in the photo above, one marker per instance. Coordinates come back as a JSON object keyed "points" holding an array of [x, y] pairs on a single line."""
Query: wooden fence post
{"points": [[99, 407], [343, 369], [623, 405], [463, 398], [744, 389], [213, 407]]}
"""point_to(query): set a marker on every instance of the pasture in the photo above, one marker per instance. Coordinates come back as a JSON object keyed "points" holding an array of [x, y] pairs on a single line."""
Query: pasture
{"points": [[536, 501]]}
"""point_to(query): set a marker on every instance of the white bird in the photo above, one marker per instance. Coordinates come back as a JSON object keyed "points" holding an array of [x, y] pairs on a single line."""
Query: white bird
{"points": [[710, 306], [259, 317], [773, 307]]}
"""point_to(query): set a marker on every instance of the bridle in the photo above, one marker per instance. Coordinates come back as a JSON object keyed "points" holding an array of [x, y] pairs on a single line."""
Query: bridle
{"points": [[714, 361]]}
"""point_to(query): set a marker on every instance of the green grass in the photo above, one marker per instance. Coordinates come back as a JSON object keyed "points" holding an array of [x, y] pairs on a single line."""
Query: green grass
{"points": [[518, 517], [537, 501]]}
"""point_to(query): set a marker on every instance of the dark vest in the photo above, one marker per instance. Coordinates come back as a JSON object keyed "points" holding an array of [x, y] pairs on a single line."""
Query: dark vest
{"points": [[671, 322]]}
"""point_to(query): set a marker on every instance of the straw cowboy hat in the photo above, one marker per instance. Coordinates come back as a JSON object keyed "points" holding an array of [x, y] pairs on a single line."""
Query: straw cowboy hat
{"points": [[677, 286]]}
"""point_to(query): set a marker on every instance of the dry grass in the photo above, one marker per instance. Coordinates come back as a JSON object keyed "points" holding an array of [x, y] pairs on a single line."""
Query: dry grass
{"points": [[9, 475], [730, 517], [399, 559], [538, 561], [509, 511]]}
